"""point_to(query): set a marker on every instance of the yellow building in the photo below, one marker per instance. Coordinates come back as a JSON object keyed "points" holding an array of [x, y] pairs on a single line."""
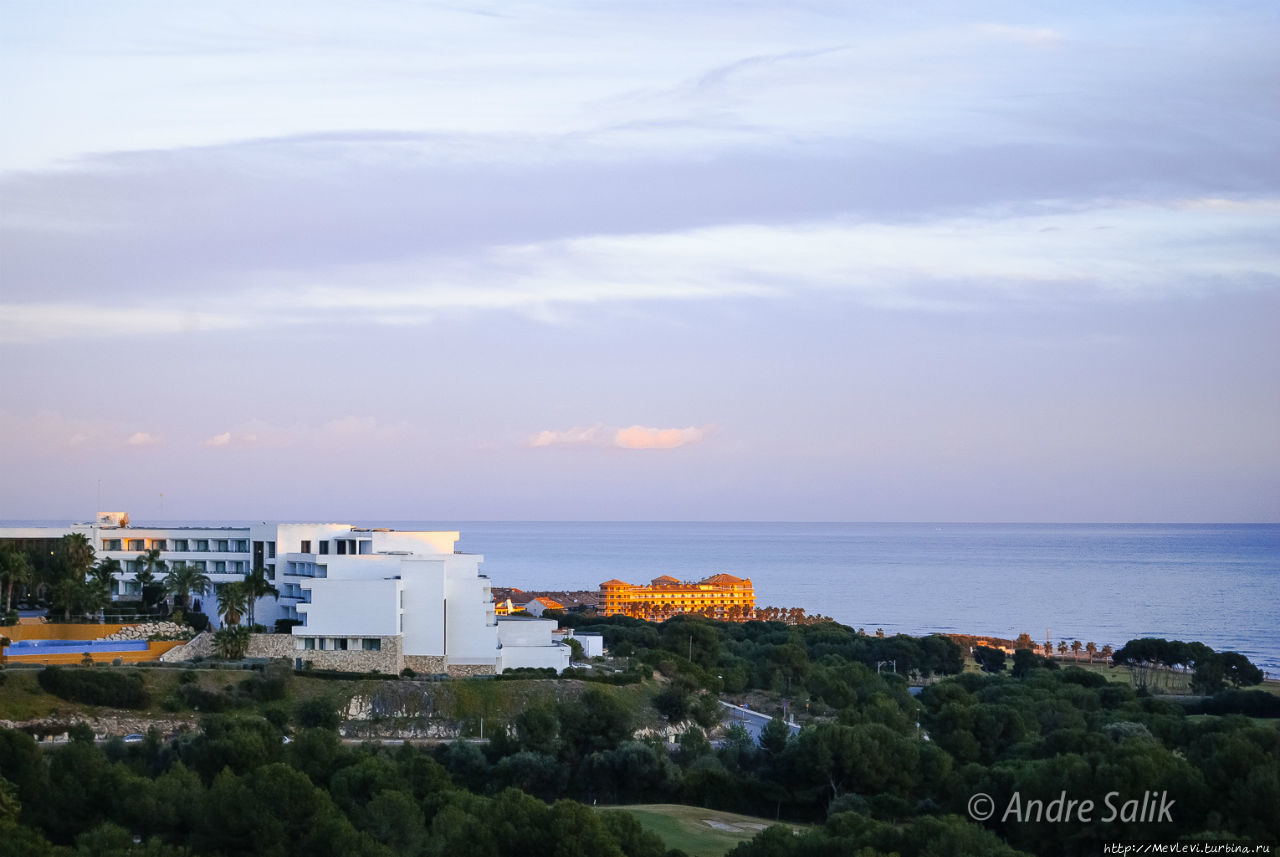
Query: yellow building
{"points": [[721, 596]]}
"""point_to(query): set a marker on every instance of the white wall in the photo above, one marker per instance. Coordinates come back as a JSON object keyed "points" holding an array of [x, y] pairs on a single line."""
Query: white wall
{"points": [[592, 644], [535, 657], [351, 608], [518, 631], [424, 603], [530, 643], [471, 632]]}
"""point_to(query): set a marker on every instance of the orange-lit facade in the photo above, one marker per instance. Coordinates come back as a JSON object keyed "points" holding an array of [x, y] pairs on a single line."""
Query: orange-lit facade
{"points": [[721, 596]]}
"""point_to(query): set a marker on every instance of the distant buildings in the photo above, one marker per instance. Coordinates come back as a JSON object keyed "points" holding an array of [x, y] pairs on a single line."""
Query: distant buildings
{"points": [[721, 596]]}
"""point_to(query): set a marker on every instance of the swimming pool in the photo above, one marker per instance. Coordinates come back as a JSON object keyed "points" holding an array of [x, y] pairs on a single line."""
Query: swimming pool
{"points": [[57, 647]]}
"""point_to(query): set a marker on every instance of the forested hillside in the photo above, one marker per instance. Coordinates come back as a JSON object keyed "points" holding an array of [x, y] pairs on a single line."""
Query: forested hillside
{"points": [[877, 770]]}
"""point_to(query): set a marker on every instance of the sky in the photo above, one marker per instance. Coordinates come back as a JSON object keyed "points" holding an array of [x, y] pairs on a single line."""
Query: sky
{"points": [[820, 261]]}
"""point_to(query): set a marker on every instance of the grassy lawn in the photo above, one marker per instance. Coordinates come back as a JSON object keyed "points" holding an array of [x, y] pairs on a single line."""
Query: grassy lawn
{"points": [[21, 697], [696, 831]]}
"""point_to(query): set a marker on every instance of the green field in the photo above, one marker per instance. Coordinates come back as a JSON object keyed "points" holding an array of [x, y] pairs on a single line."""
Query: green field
{"points": [[696, 831]]}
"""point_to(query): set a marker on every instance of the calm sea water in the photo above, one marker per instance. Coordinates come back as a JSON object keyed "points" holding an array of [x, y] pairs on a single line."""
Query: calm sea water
{"points": [[1219, 584]]}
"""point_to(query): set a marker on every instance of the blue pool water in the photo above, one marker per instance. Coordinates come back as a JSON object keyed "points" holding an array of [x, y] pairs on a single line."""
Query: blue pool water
{"points": [[59, 647]]}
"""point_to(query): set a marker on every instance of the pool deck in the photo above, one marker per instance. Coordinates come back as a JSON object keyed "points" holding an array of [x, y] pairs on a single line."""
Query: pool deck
{"points": [[88, 632]]}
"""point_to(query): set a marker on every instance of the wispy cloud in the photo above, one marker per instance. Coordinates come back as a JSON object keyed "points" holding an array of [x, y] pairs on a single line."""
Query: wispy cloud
{"points": [[1110, 249], [630, 437], [142, 438]]}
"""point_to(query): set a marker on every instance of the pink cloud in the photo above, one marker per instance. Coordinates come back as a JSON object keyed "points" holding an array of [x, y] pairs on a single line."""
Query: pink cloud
{"points": [[642, 437], [632, 437]]}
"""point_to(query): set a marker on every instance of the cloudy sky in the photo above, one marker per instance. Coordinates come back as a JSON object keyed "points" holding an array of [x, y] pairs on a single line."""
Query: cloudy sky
{"points": [[659, 261]]}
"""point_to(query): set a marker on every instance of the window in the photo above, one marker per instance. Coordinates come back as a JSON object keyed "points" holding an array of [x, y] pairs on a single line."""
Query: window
{"points": [[202, 544], [271, 550], [342, 546], [180, 544], [306, 546], [198, 565], [111, 544], [339, 644], [240, 546], [220, 545], [324, 547], [371, 644], [159, 544], [219, 567], [308, 642], [137, 544]]}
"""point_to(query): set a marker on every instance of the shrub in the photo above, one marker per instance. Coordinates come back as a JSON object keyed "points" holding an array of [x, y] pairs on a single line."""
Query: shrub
{"points": [[96, 687], [318, 713], [231, 643]]}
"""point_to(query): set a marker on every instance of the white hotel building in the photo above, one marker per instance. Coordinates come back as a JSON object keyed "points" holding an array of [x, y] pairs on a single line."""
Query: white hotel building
{"points": [[366, 598]]}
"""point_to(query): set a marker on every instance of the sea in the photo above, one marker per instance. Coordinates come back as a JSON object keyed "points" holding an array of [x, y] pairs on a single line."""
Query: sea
{"points": [[1100, 583]]}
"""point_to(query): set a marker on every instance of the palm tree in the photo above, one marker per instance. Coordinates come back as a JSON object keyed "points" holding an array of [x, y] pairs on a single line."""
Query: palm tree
{"points": [[1076, 646], [233, 601], [150, 561], [1107, 651], [183, 580], [1062, 648], [18, 571], [1092, 649], [76, 555], [258, 586], [104, 573]]}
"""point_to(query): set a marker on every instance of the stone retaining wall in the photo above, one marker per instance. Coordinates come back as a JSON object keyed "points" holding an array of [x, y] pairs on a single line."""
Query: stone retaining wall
{"points": [[425, 664], [201, 646], [468, 670], [147, 630], [272, 646]]}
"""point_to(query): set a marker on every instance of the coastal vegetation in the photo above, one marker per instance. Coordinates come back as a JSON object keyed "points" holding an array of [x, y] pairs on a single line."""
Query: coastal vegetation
{"points": [[874, 770]]}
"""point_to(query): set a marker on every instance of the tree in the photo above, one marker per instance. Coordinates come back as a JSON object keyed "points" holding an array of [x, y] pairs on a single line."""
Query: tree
{"points": [[1062, 648], [183, 580], [16, 568], [991, 660], [1023, 642], [231, 643], [149, 564], [1076, 646], [75, 596], [1092, 649], [75, 555], [258, 586], [233, 601], [774, 736], [104, 573]]}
